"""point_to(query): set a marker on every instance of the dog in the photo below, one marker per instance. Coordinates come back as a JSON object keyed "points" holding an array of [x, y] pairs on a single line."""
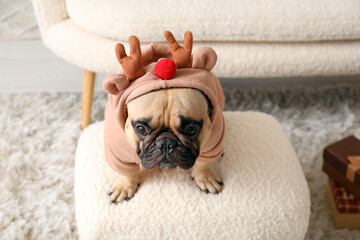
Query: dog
{"points": [[163, 113]]}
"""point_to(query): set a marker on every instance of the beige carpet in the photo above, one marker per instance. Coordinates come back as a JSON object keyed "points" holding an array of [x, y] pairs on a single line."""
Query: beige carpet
{"points": [[39, 132]]}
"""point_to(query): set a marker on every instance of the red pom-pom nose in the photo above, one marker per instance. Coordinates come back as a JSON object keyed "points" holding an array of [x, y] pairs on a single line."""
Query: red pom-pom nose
{"points": [[165, 68]]}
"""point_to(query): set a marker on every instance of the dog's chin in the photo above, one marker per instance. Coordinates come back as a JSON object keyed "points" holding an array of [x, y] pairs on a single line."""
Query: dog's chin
{"points": [[166, 164]]}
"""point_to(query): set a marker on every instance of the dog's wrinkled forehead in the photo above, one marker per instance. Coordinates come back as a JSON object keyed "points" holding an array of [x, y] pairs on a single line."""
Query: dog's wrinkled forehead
{"points": [[165, 107]]}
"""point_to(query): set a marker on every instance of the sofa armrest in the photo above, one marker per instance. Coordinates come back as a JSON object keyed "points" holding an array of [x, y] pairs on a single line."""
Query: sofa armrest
{"points": [[49, 12]]}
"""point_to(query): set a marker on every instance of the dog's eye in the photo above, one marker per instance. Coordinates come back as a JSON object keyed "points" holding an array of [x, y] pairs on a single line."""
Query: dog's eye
{"points": [[191, 130], [141, 130]]}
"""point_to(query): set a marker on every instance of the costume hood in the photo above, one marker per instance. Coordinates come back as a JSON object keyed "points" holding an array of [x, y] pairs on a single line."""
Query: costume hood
{"points": [[199, 76]]}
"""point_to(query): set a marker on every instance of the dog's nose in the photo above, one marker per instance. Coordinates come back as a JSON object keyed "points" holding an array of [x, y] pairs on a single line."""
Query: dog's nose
{"points": [[166, 144]]}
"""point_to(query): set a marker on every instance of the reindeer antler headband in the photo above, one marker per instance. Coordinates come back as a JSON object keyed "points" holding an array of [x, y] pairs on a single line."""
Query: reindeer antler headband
{"points": [[140, 62], [133, 64]]}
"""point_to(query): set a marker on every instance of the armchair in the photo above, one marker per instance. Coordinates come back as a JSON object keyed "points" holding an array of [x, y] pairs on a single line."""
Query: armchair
{"points": [[253, 39]]}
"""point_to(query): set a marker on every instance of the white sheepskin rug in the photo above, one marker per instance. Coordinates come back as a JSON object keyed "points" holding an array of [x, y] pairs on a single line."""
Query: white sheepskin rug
{"points": [[39, 133]]}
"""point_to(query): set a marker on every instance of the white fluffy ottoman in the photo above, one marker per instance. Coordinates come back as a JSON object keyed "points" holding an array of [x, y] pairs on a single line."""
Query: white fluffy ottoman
{"points": [[265, 196]]}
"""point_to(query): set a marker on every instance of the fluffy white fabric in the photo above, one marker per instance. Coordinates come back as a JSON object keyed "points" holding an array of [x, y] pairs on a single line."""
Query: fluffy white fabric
{"points": [[231, 20], [39, 133], [96, 53], [265, 196], [49, 13]]}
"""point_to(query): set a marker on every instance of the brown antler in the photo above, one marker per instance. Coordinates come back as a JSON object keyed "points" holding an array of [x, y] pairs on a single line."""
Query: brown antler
{"points": [[182, 55], [132, 64]]}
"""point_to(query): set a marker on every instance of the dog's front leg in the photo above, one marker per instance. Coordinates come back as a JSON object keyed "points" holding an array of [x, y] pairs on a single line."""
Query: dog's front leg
{"points": [[123, 188], [206, 177]]}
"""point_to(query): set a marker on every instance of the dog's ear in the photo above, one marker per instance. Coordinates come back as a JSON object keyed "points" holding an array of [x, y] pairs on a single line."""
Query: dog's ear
{"points": [[115, 83], [204, 58]]}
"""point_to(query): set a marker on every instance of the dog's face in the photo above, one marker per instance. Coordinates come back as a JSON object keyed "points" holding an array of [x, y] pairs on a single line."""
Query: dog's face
{"points": [[168, 127]]}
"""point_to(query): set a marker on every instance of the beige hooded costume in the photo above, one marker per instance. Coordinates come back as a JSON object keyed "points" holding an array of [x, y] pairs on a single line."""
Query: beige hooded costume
{"points": [[120, 155]]}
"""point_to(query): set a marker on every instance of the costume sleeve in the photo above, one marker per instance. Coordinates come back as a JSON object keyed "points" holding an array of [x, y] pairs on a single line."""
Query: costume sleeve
{"points": [[119, 154], [214, 147], [128, 169]]}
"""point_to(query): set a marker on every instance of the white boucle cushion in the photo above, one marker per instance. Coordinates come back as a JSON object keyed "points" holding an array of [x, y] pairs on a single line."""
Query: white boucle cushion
{"points": [[231, 20], [265, 193]]}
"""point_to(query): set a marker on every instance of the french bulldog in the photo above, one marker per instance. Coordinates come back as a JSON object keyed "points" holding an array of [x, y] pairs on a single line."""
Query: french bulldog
{"points": [[164, 123]]}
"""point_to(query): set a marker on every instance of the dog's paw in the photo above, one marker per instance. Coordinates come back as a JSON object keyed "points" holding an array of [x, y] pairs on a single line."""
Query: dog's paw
{"points": [[206, 178], [123, 188]]}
